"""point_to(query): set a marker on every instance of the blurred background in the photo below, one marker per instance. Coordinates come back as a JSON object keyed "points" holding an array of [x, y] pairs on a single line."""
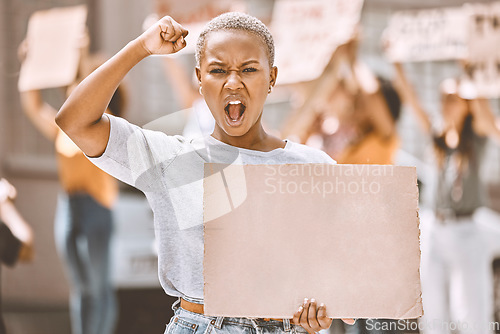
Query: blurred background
{"points": [[35, 295]]}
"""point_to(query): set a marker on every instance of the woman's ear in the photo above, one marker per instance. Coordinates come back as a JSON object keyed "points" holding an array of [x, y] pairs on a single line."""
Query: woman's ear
{"points": [[198, 74], [272, 76]]}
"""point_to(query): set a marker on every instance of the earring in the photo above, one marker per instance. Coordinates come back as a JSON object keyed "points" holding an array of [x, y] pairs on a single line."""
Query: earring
{"points": [[270, 89], [201, 92]]}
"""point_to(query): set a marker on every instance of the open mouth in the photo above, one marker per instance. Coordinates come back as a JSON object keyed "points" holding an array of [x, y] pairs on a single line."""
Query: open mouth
{"points": [[234, 111]]}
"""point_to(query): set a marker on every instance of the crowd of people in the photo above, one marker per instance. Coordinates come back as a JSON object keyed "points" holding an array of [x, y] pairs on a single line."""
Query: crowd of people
{"points": [[349, 117]]}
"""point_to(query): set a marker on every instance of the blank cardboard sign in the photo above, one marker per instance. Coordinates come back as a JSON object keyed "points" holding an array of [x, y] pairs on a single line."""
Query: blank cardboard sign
{"points": [[54, 37], [346, 235]]}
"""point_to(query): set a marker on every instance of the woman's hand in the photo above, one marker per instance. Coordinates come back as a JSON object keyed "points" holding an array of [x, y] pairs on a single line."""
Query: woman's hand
{"points": [[7, 190], [14, 221], [164, 37], [313, 318]]}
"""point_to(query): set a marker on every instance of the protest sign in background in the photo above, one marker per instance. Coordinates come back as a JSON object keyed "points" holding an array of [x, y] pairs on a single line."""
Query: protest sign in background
{"points": [[307, 32], [54, 39], [470, 33], [427, 35], [483, 59]]}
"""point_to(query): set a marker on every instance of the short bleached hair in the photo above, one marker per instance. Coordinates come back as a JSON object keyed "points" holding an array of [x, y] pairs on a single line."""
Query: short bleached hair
{"points": [[236, 21]]}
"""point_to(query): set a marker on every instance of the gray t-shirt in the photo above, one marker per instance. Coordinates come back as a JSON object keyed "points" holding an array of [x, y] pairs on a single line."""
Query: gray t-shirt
{"points": [[169, 170], [459, 191]]}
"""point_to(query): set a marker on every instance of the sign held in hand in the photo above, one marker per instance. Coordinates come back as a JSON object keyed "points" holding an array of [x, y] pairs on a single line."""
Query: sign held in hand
{"points": [[346, 235]]}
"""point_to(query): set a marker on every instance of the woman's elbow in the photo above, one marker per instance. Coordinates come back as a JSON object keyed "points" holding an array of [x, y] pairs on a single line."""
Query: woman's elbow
{"points": [[61, 119], [66, 121]]}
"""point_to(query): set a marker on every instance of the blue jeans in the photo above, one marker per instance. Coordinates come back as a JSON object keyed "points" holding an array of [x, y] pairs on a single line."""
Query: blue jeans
{"points": [[185, 322], [83, 230]]}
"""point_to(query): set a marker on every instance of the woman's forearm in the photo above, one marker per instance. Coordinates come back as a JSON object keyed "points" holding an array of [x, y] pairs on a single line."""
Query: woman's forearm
{"points": [[81, 116], [19, 228], [16, 223], [410, 97], [40, 113]]}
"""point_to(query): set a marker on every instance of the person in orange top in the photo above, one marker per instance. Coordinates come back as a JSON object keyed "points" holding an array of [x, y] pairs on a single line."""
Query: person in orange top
{"points": [[358, 127], [83, 224], [350, 114], [366, 131]]}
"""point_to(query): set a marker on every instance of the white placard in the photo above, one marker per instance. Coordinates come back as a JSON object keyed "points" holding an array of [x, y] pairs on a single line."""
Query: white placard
{"points": [[427, 35], [484, 48], [54, 37]]}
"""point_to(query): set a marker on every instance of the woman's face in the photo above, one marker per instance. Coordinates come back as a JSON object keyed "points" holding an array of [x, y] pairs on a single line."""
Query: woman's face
{"points": [[235, 77]]}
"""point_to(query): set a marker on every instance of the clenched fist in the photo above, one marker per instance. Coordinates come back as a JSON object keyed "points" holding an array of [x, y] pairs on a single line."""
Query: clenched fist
{"points": [[164, 37]]}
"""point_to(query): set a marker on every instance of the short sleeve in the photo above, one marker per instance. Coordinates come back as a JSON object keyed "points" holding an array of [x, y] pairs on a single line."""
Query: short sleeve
{"points": [[137, 156], [310, 154], [327, 159]]}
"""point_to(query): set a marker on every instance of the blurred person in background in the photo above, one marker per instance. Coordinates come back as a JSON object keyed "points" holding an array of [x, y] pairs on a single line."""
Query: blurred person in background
{"points": [[456, 269], [353, 112], [83, 223], [16, 236]]}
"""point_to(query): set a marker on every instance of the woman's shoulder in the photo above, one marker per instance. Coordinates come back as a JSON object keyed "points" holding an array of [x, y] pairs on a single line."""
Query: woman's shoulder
{"points": [[126, 138], [309, 154]]}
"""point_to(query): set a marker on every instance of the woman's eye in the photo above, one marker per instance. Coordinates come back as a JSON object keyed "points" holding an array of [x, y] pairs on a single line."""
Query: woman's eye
{"points": [[250, 69], [217, 71]]}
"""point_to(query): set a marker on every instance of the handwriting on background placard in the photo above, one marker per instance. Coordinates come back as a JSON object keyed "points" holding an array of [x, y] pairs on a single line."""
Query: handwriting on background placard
{"points": [[427, 35], [484, 55]]}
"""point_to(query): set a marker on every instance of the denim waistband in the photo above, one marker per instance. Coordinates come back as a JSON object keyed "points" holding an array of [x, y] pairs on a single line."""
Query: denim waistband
{"points": [[218, 322], [191, 300]]}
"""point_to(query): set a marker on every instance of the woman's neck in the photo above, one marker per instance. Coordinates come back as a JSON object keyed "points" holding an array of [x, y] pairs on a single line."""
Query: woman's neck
{"points": [[255, 139]]}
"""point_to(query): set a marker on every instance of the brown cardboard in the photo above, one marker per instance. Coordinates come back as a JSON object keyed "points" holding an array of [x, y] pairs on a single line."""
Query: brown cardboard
{"points": [[346, 235], [54, 37]]}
